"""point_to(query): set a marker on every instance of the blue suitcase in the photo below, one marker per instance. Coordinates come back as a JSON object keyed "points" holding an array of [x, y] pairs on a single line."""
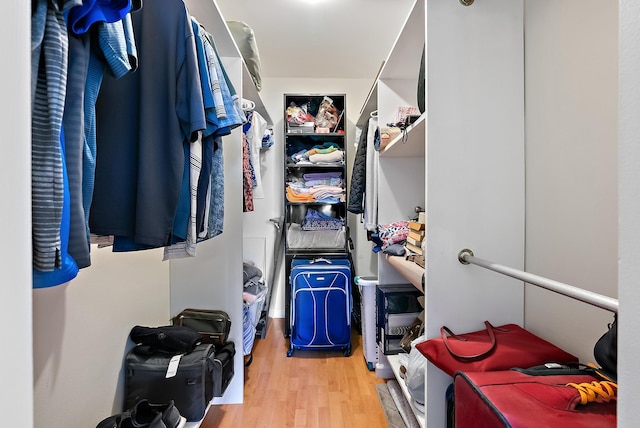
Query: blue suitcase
{"points": [[321, 303]]}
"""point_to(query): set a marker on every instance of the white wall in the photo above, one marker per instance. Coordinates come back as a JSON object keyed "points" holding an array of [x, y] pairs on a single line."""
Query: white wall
{"points": [[475, 170], [257, 224], [629, 228], [571, 54], [16, 394], [81, 330], [213, 278]]}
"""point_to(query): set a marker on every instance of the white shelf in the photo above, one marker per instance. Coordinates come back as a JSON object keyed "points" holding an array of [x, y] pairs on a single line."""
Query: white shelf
{"points": [[411, 271], [394, 362], [250, 92], [371, 102], [409, 144], [403, 62]]}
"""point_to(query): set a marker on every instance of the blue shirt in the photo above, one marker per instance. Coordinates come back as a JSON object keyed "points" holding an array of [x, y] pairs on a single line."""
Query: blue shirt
{"points": [[68, 268], [80, 18], [143, 121]]}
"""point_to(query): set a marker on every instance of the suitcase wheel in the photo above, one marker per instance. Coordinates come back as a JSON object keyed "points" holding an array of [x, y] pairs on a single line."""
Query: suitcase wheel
{"points": [[290, 352], [347, 351]]}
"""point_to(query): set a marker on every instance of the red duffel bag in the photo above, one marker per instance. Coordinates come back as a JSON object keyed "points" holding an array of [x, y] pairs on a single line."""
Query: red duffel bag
{"points": [[494, 348], [517, 400]]}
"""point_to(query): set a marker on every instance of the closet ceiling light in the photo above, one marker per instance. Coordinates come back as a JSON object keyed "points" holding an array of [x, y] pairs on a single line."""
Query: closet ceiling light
{"points": [[314, 2]]}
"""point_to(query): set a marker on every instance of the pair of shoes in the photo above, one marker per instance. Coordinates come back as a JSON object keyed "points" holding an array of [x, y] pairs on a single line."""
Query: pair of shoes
{"points": [[146, 415], [114, 421]]}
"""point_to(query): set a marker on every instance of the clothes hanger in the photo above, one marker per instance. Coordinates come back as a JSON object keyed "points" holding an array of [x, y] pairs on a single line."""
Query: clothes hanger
{"points": [[248, 105]]}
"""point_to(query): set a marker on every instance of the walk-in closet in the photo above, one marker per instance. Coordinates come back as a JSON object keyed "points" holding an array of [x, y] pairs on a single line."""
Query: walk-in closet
{"points": [[519, 157]]}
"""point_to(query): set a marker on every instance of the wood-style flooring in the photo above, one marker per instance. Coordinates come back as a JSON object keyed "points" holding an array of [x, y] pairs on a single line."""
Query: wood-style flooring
{"points": [[311, 389]]}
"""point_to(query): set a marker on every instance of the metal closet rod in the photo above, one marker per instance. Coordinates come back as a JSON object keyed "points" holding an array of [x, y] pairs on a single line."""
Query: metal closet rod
{"points": [[466, 257]]}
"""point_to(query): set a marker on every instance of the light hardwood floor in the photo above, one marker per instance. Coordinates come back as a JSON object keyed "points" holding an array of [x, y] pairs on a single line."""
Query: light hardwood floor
{"points": [[311, 389]]}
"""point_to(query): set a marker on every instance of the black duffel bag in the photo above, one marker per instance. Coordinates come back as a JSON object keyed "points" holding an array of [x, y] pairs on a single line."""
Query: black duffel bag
{"points": [[187, 379], [173, 339]]}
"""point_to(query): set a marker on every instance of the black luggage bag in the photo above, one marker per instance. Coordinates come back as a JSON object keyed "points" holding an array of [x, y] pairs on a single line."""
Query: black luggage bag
{"points": [[223, 368], [190, 380], [213, 324]]}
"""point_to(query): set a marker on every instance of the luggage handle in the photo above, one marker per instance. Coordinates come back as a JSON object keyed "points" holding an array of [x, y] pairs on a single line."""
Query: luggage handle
{"points": [[321, 259]]}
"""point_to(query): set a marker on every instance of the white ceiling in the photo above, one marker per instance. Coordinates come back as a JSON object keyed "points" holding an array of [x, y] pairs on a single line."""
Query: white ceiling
{"points": [[320, 38]]}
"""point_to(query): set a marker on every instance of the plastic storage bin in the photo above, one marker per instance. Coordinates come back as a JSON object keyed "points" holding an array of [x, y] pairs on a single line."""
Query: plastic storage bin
{"points": [[397, 307], [367, 287]]}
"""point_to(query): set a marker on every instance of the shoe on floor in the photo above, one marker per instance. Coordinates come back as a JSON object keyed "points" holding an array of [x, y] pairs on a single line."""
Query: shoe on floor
{"points": [[145, 414], [124, 420], [113, 421]]}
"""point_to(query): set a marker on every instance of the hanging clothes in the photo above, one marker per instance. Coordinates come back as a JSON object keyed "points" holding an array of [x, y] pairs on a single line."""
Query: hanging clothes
{"points": [[184, 228], [87, 22], [143, 122], [358, 176], [213, 105], [73, 123], [115, 54], [68, 268], [245, 130], [215, 217], [247, 182], [49, 50], [61, 52], [267, 139], [233, 115], [229, 115], [371, 188], [248, 171], [221, 116], [90, 12], [255, 133]]}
